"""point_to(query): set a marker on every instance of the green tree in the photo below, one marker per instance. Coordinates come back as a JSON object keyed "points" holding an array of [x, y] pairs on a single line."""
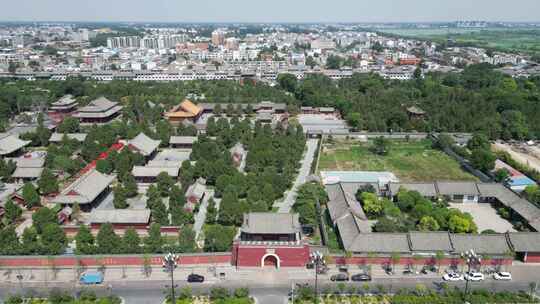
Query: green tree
{"points": [[42, 217], [483, 160], [186, 240], [30, 195], [107, 240], [153, 243], [48, 183], [159, 212], [84, 241], [69, 125], [218, 238], [380, 146], [12, 212], [53, 239], [372, 204], [104, 166], [458, 224], [131, 242], [333, 62], [10, 241], [30, 241], [211, 212], [120, 200], [164, 183], [501, 175], [287, 82], [428, 223], [130, 185]]}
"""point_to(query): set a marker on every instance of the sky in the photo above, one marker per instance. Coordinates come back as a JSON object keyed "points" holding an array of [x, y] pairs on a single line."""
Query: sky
{"points": [[270, 10]]}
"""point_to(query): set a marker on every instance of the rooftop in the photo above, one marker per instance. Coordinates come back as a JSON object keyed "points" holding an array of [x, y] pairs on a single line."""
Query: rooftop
{"points": [[271, 223]]}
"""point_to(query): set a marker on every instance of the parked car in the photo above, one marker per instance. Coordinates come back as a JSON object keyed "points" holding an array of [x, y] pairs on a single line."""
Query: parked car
{"points": [[339, 277], [453, 276], [91, 278], [361, 277], [195, 278], [502, 276], [474, 276]]}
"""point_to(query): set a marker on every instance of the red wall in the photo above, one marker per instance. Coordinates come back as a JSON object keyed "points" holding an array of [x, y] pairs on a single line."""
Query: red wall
{"points": [[111, 260], [409, 260], [251, 256], [532, 257]]}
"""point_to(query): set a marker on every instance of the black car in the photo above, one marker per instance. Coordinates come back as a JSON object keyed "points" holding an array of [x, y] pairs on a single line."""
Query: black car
{"points": [[361, 277], [339, 277], [195, 278]]}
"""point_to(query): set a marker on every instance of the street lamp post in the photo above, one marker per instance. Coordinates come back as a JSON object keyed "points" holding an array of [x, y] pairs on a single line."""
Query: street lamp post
{"points": [[470, 258], [170, 264], [317, 260]]}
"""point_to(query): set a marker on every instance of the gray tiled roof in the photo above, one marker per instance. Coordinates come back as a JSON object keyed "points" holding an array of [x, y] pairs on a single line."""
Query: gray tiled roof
{"points": [[481, 243], [525, 241], [85, 189], [140, 171], [425, 189], [274, 223], [430, 241], [380, 242], [57, 137], [101, 104], [11, 143], [66, 100], [27, 172], [182, 140], [144, 144], [120, 216], [459, 188], [29, 162]]}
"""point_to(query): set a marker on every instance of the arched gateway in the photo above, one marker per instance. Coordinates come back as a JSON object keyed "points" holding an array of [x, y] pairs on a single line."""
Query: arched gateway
{"points": [[270, 260]]}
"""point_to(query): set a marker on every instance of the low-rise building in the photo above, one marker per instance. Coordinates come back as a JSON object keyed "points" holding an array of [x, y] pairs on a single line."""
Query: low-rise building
{"points": [[270, 240], [185, 111], [99, 111], [87, 191]]}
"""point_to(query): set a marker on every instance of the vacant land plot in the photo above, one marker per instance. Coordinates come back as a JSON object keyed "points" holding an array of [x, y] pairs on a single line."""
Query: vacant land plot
{"points": [[409, 161], [503, 39]]}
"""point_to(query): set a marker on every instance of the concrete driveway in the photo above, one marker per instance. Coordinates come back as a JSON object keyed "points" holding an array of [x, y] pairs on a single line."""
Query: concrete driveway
{"points": [[485, 216], [290, 195]]}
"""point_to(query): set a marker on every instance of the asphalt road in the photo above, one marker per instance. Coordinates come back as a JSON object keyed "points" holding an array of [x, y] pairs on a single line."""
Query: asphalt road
{"points": [[151, 292]]}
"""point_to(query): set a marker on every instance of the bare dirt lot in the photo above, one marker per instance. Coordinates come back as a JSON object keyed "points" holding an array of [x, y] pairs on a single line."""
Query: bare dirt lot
{"points": [[527, 155]]}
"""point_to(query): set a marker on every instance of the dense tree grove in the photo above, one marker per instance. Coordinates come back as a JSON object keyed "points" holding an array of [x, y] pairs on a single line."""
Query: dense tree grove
{"points": [[479, 99], [413, 212]]}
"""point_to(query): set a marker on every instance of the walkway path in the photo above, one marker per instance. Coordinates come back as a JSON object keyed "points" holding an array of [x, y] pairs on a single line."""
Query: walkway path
{"points": [[200, 217], [286, 204]]}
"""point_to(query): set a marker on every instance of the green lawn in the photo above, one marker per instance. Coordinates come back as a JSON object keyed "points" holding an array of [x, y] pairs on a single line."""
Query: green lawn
{"points": [[409, 161]]}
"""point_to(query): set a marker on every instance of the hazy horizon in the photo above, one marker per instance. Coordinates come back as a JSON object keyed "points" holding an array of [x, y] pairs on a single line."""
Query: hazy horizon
{"points": [[277, 11]]}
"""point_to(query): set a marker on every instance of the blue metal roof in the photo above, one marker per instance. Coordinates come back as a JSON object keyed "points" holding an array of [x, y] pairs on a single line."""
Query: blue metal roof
{"points": [[520, 181]]}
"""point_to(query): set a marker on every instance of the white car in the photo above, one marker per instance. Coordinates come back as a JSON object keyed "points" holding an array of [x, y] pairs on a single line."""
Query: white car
{"points": [[453, 277], [502, 276], [474, 276]]}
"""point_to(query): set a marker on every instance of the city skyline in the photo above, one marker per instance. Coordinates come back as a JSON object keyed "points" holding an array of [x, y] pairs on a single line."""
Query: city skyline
{"points": [[279, 11]]}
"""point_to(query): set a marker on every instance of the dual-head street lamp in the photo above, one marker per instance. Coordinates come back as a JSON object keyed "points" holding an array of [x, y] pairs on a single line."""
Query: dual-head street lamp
{"points": [[170, 262], [317, 259], [471, 258]]}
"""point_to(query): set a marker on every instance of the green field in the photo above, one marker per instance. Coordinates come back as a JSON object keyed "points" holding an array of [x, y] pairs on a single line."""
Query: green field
{"points": [[410, 161], [502, 39]]}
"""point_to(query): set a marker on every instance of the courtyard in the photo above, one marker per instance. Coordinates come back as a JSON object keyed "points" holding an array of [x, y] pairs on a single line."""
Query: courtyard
{"points": [[485, 217], [410, 161]]}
